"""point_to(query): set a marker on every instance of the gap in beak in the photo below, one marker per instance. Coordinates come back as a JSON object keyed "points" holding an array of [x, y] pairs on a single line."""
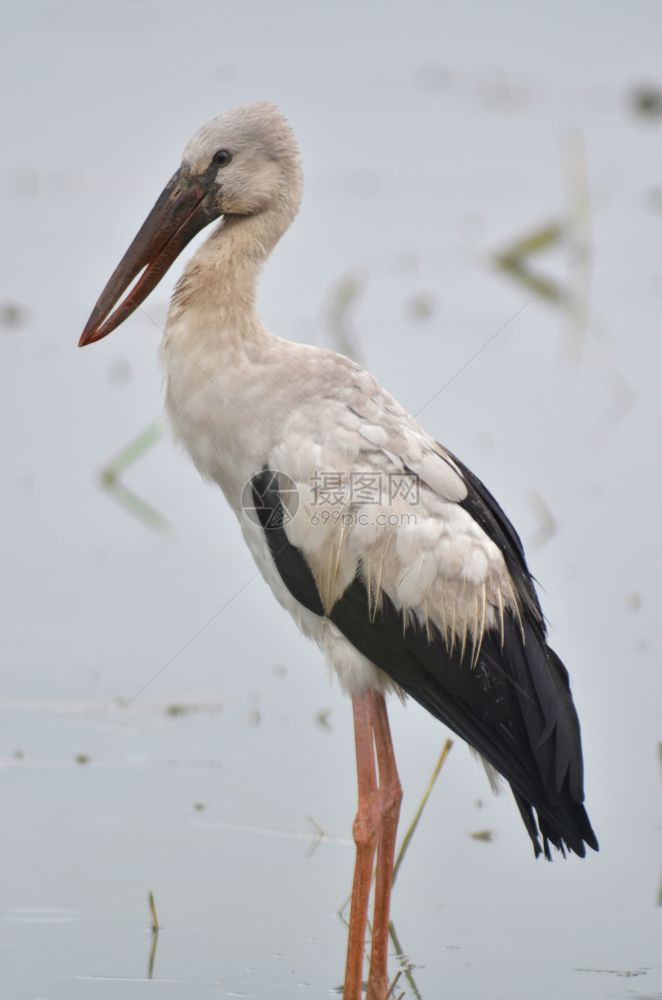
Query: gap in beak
{"points": [[129, 290]]}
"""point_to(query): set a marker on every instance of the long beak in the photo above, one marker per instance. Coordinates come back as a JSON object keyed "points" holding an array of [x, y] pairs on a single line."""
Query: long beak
{"points": [[180, 212]]}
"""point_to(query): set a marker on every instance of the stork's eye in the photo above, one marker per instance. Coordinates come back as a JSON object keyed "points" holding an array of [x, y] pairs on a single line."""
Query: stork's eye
{"points": [[222, 157]]}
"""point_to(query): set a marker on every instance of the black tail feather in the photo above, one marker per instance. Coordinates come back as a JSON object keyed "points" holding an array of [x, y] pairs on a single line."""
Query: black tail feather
{"points": [[514, 706]]}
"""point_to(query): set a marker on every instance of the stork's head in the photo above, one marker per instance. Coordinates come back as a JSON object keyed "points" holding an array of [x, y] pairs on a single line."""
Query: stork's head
{"points": [[242, 164]]}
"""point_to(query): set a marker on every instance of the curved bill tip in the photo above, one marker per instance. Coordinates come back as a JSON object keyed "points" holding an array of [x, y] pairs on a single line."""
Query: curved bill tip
{"points": [[88, 336]]}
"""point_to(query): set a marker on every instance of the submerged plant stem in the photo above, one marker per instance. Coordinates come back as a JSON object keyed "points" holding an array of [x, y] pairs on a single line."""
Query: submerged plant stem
{"points": [[152, 910], [422, 804]]}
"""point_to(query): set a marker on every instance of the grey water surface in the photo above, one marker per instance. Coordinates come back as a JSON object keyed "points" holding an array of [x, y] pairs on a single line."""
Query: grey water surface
{"points": [[482, 227]]}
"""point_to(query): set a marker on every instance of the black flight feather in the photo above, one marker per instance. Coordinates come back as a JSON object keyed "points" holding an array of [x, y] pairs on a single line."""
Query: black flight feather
{"points": [[290, 563]]}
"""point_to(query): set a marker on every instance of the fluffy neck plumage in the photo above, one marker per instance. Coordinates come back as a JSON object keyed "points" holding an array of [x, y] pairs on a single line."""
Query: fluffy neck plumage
{"points": [[216, 294]]}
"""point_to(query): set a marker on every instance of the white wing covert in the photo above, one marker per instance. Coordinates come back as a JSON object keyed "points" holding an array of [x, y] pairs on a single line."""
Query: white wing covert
{"points": [[380, 500]]}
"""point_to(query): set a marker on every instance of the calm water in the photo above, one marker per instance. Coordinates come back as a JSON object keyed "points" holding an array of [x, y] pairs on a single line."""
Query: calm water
{"points": [[432, 140]]}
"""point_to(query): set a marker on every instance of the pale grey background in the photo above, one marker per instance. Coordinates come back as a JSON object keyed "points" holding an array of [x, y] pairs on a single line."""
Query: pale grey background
{"points": [[432, 134]]}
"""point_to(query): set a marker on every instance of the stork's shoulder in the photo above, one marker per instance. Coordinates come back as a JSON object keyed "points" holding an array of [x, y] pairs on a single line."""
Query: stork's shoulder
{"points": [[373, 481], [345, 416]]}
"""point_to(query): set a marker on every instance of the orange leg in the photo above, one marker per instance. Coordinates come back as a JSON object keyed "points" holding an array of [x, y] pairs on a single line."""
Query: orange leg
{"points": [[390, 797], [366, 831], [375, 829]]}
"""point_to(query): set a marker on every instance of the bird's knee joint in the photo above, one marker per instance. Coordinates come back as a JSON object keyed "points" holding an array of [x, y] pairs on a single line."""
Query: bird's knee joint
{"points": [[366, 824], [392, 800]]}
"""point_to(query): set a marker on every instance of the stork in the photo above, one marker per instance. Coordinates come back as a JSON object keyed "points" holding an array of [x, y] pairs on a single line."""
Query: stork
{"points": [[385, 549]]}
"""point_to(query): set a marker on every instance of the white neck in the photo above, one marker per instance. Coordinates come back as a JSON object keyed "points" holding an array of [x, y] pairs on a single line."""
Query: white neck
{"points": [[215, 296]]}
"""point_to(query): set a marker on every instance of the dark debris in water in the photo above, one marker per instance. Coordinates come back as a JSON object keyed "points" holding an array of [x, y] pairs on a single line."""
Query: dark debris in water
{"points": [[486, 836], [13, 316], [633, 602], [177, 709], [322, 718], [82, 758], [655, 199], [421, 307], [646, 100], [625, 973], [254, 717], [547, 525]]}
